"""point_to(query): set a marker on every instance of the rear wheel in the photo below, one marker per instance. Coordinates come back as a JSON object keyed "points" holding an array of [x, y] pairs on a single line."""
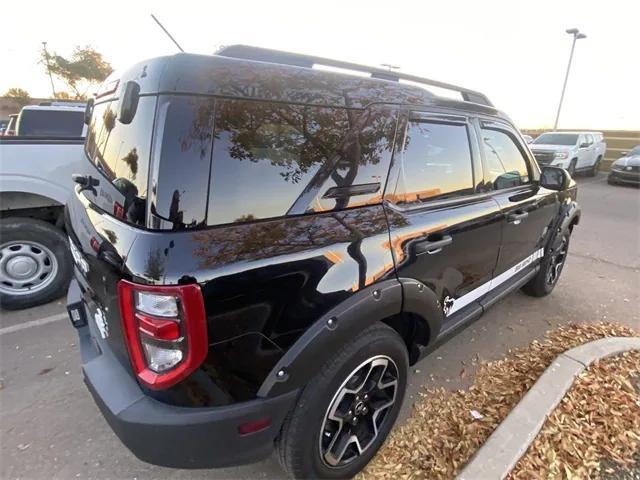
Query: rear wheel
{"points": [[593, 171], [35, 264], [550, 269], [345, 413]]}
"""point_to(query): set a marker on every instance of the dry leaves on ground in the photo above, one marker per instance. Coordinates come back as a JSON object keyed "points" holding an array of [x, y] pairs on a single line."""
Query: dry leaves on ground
{"points": [[598, 419], [442, 433]]}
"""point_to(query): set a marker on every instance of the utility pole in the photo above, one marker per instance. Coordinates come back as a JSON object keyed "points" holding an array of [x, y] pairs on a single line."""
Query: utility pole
{"points": [[576, 36], [46, 56]]}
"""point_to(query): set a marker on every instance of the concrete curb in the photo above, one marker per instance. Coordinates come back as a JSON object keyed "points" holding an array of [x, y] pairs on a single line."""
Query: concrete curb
{"points": [[511, 439]]}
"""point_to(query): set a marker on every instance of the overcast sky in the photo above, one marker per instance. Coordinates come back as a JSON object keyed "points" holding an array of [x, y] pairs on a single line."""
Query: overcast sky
{"points": [[515, 52]]}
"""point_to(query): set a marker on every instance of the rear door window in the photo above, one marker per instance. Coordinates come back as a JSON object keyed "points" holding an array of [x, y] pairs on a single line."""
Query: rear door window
{"points": [[51, 123], [436, 162], [505, 164]]}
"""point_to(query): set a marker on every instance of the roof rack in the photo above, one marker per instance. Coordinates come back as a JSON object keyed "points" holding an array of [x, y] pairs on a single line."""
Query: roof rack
{"points": [[287, 58]]}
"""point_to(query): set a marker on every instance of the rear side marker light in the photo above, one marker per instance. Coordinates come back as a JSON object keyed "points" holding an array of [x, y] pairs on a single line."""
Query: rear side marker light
{"points": [[165, 329]]}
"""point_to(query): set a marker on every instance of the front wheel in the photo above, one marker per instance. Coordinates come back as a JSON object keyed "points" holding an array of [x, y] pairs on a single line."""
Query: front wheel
{"points": [[347, 410], [550, 269], [35, 263], [572, 168]]}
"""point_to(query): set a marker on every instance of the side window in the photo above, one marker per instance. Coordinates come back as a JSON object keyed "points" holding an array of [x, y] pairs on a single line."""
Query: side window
{"points": [[589, 139], [436, 162], [505, 166], [274, 159]]}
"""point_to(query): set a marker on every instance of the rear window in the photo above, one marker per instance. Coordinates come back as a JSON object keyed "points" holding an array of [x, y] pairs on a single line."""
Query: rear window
{"points": [[121, 151], [51, 123]]}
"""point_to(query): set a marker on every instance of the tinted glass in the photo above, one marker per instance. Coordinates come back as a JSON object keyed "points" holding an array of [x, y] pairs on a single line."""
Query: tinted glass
{"points": [[436, 162], [51, 123], [556, 139], [182, 160], [505, 165], [588, 139], [121, 152], [273, 159]]}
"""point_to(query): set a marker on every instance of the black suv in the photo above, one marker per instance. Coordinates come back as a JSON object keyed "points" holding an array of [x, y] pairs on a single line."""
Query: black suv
{"points": [[263, 247]]}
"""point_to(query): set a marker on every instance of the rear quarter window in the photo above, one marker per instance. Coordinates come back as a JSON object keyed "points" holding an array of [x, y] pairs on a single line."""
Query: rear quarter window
{"points": [[273, 159]]}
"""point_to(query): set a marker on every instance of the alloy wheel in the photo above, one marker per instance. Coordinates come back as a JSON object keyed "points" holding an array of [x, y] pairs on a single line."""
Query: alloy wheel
{"points": [[558, 258], [357, 411]]}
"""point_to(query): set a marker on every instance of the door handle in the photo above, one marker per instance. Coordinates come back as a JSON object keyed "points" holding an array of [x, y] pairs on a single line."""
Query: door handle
{"points": [[516, 218], [435, 246]]}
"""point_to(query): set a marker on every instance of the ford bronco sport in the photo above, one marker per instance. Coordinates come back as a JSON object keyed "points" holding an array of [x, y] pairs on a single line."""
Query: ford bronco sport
{"points": [[262, 248]]}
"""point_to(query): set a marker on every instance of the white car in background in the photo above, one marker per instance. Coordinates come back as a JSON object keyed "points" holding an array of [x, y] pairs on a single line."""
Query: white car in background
{"points": [[573, 151]]}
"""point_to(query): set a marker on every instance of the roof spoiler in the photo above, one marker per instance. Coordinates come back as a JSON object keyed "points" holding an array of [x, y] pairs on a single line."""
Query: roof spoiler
{"points": [[287, 58]]}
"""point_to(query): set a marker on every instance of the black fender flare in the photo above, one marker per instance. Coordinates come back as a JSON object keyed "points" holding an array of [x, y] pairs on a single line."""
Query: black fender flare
{"points": [[569, 215], [327, 334], [422, 301]]}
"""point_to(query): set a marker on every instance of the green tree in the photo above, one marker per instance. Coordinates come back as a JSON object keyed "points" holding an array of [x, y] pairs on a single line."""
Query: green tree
{"points": [[20, 95], [85, 68]]}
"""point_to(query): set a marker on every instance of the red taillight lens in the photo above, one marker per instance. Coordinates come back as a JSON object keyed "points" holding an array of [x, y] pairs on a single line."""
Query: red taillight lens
{"points": [[165, 329]]}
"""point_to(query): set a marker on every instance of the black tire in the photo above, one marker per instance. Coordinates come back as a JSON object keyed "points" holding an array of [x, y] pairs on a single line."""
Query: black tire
{"points": [[545, 280], [299, 444], [593, 171], [572, 167], [33, 233], [611, 181]]}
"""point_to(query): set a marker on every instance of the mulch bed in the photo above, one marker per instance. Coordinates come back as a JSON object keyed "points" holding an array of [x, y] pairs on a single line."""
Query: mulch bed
{"points": [[447, 427], [598, 419]]}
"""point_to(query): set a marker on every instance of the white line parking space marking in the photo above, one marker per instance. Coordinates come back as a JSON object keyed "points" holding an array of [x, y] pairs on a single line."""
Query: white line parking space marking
{"points": [[34, 323]]}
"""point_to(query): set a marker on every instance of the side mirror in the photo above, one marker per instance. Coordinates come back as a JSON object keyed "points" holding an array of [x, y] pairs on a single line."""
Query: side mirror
{"points": [[585, 145], [129, 102], [554, 178]]}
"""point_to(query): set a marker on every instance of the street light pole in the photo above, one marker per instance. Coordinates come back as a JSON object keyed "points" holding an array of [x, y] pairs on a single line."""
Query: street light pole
{"points": [[576, 36], [46, 56]]}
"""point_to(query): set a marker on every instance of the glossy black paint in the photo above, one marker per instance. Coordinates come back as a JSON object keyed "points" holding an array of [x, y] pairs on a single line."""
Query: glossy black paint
{"points": [[271, 279]]}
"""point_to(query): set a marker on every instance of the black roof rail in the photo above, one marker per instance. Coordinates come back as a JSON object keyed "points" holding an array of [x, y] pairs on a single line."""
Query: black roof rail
{"points": [[299, 60]]}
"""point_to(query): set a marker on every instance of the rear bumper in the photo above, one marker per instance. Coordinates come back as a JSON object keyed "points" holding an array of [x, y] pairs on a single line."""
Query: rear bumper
{"points": [[172, 436], [625, 177]]}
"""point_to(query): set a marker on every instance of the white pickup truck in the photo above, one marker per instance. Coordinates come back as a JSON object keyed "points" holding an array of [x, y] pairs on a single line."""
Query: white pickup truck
{"points": [[574, 151], [35, 181]]}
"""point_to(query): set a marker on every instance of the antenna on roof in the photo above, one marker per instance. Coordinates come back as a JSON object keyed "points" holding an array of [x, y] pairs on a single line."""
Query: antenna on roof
{"points": [[168, 34]]}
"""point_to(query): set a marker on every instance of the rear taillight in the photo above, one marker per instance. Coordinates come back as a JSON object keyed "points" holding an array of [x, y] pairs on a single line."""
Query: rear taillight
{"points": [[165, 329]]}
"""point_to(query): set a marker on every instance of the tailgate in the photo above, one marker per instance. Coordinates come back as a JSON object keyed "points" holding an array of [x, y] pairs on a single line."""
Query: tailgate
{"points": [[98, 245]]}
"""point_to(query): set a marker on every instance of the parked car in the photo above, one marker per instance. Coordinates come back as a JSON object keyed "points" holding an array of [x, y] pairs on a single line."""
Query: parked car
{"points": [[627, 168], [51, 119], [527, 138], [3, 126], [35, 182], [263, 248], [10, 130], [574, 151]]}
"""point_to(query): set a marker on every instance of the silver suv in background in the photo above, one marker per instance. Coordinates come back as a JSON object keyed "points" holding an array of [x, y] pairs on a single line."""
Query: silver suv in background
{"points": [[574, 151]]}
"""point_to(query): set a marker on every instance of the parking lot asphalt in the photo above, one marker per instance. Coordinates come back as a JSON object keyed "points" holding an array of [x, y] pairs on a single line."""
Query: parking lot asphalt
{"points": [[51, 428]]}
